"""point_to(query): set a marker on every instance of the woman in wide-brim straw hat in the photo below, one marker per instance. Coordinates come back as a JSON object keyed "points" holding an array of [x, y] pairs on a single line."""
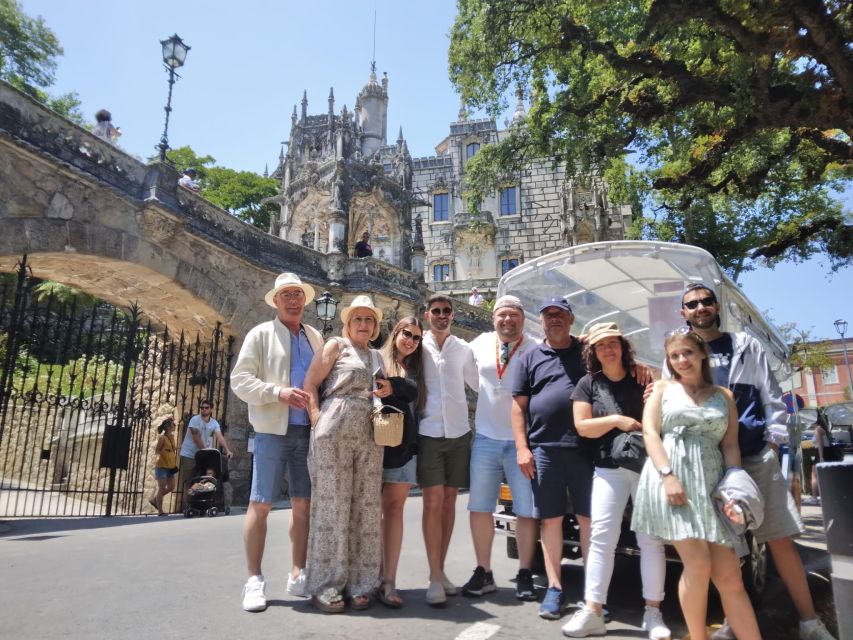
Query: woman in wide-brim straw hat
{"points": [[344, 545]]}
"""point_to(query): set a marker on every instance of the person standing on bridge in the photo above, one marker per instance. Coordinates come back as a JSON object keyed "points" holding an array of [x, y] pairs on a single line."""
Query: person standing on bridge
{"points": [[269, 376]]}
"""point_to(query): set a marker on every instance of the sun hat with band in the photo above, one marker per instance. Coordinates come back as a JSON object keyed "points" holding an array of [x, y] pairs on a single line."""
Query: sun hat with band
{"points": [[602, 330], [362, 302], [288, 281]]}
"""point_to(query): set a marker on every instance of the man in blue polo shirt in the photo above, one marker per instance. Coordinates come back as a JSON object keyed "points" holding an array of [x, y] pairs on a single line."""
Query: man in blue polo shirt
{"points": [[549, 449]]}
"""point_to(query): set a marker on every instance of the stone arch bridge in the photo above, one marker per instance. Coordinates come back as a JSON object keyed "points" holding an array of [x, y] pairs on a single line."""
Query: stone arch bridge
{"points": [[91, 216]]}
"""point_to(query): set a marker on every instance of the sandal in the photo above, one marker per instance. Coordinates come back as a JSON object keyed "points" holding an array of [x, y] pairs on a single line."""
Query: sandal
{"points": [[360, 603], [388, 595], [330, 601]]}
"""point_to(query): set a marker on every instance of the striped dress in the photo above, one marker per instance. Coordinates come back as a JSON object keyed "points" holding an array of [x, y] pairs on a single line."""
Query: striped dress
{"points": [[691, 438]]}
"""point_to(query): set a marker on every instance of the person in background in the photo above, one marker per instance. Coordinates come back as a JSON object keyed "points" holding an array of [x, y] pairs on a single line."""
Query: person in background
{"points": [[188, 180], [344, 546], [203, 432], [269, 377], [493, 453], [608, 401], [475, 299], [739, 363], [690, 431], [166, 465], [362, 247], [104, 127], [404, 388]]}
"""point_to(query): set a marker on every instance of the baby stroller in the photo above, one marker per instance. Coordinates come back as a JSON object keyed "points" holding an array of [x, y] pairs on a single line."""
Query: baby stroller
{"points": [[205, 491]]}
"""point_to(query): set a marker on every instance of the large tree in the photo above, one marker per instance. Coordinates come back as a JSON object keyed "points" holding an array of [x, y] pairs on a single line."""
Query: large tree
{"points": [[28, 52], [739, 114]]}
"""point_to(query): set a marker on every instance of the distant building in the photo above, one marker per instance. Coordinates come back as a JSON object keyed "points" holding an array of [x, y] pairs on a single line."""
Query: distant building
{"points": [[341, 178], [826, 386]]}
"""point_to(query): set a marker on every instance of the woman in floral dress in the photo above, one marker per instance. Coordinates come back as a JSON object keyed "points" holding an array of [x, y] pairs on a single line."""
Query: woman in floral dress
{"points": [[344, 543]]}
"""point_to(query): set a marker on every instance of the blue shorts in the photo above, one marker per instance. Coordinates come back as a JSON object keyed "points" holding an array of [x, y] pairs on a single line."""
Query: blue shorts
{"points": [[162, 473], [407, 474], [558, 469], [490, 460], [276, 454]]}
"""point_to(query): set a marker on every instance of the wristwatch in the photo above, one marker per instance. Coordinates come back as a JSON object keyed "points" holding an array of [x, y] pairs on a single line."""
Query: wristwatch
{"points": [[665, 471]]}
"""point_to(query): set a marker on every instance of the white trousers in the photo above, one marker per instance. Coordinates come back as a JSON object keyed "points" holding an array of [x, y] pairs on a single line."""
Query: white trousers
{"points": [[611, 489]]}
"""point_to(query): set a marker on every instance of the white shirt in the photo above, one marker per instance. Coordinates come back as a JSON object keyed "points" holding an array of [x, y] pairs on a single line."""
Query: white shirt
{"points": [[494, 403], [476, 300], [204, 429], [446, 372]]}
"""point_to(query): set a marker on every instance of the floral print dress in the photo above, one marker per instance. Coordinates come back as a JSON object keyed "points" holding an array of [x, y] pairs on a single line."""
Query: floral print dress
{"points": [[344, 542]]}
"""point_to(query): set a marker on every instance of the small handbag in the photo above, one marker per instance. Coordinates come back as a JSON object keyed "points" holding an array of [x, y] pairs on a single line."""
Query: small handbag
{"points": [[629, 451], [387, 420]]}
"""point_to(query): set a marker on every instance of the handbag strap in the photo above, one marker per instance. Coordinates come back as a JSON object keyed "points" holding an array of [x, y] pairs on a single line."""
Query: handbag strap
{"points": [[374, 365]]}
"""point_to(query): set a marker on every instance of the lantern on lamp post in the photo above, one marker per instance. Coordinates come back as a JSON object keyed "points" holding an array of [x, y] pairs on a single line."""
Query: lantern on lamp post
{"points": [[326, 307], [174, 54]]}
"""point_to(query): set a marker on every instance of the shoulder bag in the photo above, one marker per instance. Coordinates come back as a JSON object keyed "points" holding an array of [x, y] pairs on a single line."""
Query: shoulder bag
{"points": [[387, 420]]}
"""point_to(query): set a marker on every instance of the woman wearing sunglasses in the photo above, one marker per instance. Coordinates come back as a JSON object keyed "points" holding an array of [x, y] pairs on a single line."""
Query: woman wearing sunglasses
{"points": [[404, 389], [690, 428]]}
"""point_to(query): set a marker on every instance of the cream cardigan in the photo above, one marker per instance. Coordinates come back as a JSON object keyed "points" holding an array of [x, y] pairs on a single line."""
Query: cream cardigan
{"points": [[263, 369]]}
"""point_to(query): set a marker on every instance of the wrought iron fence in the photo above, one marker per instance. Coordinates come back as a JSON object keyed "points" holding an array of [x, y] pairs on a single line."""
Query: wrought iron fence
{"points": [[82, 389]]}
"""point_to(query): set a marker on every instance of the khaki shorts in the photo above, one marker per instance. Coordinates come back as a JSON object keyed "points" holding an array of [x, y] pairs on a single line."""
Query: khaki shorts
{"points": [[444, 461], [781, 518]]}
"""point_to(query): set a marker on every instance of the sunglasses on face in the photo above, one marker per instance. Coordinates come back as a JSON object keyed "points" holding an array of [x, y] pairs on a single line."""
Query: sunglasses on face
{"points": [[444, 311], [705, 302], [408, 335]]}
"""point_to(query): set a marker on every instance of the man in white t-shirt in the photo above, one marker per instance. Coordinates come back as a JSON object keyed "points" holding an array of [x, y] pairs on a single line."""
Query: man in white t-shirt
{"points": [[203, 431], [476, 298], [493, 452]]}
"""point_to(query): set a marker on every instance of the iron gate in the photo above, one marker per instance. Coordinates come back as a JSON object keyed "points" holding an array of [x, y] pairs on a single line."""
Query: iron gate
{"points": [[82, 390]]}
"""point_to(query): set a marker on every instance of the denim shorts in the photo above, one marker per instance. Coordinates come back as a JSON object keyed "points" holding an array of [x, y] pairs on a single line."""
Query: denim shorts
{"points": [[558, 469], [162, 473], [407, 474], [490, 460], [276, 454]]}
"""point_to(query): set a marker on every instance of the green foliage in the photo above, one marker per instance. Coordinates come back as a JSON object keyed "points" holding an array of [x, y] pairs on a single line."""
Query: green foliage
{"points": [[63, 294], [241, 193], [738, 113], [28, 52], [806, 353]]}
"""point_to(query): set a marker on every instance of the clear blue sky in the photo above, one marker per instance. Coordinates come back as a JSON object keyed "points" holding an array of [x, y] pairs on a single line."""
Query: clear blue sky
{"points": [[250, 62]]}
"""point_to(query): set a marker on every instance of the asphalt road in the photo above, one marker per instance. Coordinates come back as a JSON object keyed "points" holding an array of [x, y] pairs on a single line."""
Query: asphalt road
{"points": [[149, 577]]}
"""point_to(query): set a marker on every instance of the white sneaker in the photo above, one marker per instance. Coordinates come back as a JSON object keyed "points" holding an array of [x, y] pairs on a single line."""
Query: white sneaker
{"points": [[296, 587], [654, 624], [814, 630], [585, 622], [253, 594]]}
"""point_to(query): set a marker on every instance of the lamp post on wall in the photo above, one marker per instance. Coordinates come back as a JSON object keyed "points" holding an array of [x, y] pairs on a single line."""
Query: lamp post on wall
{"points": [[326, 307], [841, 328], [174, 55]]}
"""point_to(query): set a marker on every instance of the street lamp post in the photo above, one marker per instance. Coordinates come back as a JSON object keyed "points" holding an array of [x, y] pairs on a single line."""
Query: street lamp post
{"points": [[326, 307], [841, 328], [174, 55]]}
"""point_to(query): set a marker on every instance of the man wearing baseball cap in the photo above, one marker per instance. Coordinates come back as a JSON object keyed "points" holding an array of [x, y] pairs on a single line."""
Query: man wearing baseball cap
{"points": [[493, 451], [550, 451], [269, 376]]}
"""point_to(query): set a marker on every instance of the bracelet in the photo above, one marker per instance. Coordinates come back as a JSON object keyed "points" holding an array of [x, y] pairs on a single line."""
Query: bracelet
{"points": [[734, 467]]}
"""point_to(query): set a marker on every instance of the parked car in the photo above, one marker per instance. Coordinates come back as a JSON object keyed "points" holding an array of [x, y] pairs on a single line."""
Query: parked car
{"points": [[637, 285]]}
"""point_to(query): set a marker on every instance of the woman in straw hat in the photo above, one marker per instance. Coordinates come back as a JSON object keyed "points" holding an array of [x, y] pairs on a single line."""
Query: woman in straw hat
{"points": [[344, 545]]}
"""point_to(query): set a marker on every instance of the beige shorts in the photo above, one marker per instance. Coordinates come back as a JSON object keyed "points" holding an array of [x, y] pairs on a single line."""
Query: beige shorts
{"points": [[781, 518]]}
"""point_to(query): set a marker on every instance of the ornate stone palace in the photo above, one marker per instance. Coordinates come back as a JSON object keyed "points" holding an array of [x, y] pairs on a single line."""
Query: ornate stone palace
{"points": [[340, 178]]}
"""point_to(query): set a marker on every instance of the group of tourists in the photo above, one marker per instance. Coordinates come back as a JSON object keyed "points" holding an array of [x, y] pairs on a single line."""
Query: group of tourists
{"points": [[564, 417]]}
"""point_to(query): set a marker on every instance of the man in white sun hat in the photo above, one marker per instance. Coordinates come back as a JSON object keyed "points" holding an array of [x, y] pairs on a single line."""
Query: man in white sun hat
{"points": [[269, 376]]}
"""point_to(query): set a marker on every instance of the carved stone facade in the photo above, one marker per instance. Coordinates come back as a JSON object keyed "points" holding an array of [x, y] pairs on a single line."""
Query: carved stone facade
{"points": [[340, 178]]}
